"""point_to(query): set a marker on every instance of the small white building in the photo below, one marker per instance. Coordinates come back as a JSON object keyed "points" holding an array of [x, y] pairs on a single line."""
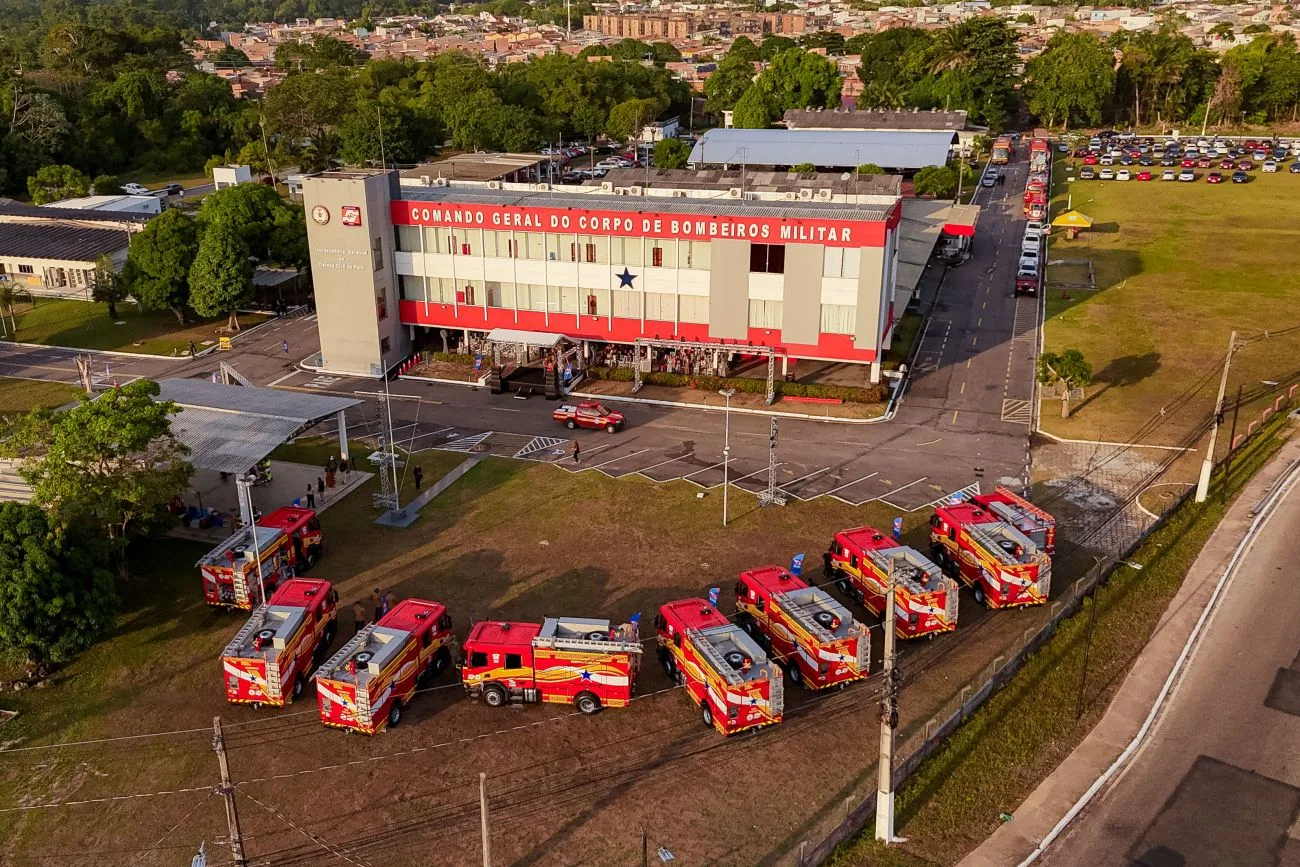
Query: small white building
{"points": [[230, 176]]}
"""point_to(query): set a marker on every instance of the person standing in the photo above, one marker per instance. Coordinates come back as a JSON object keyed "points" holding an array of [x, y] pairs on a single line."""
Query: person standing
{"points": [[343, 468], [358, 617], [577, 453], [194, 350], [419, 476], [311, 497], [284, 346], [329, 472], [379, 606], [320, 488], [827, 566]]}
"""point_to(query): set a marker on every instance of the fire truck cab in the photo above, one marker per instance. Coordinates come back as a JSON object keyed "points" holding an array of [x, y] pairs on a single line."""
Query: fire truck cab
{"points": [[278, 645], [366, 684], [724, 671], [925, 599], [286, 542], [1039, 526], [1003, 568], [567, 660], [820, 642]]}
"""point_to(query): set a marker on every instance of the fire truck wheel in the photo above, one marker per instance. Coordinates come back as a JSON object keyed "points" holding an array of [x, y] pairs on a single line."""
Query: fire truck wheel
{"points": [[571, 424], [706, 713], [441, 660], [494, 695], [670, 668], [978, 592], [299, 684], [328, 638], [587, 703], [609, 428], [844, 584], [796, 675], [394, 715]]}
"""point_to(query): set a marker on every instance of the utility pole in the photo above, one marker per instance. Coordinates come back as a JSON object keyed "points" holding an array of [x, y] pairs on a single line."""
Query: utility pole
{"points": [[726, 451], [888, 722], [483, 819], [772, 496], [227, 791], [1203, 484], [1232, 444]]}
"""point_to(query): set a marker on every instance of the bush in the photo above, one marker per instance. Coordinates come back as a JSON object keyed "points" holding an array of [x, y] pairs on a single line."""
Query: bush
{"points": [[744, 385], [453, 358]]}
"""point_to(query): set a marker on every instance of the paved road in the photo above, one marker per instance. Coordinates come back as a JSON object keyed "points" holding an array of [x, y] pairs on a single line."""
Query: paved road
{"points": [[1218, 783]]}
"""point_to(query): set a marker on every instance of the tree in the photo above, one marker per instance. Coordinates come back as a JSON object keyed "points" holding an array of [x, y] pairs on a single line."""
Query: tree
{"points": [[55, 599], [773, 45], [159, 259], [52, 183], [11, 294], [627, 118], [830, 40], [671, 153], [755, 110], [106, 185], [803, 167], [110, 463], [1067, 370], [107, 285], [939, 182], [799, 79], [1026, 18], [38, 119], [743, 49], [230, 56], [728, 83], [265, 222], [221, 280], [1222, 30], [1072, 80], [870, 169]]}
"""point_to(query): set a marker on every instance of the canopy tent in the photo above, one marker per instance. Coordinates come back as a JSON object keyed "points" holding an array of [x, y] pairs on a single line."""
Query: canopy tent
{"points": [[230, 428], [1073, 220], [527, 338]]}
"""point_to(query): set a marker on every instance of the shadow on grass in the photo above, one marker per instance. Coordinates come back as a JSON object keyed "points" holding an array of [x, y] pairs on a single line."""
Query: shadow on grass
{"points": [[1111, 267], [1122, 372]]}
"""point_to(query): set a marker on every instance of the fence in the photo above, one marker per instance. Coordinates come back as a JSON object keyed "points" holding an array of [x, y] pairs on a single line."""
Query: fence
{"points": [[1001, 669]]}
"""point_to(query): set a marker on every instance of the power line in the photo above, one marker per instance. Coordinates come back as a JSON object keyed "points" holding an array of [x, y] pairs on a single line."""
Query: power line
{"points": [[169, 831], [310, 836]]}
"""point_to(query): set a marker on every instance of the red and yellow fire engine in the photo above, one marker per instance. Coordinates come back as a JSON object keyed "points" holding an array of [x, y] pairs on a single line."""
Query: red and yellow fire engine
{"points": [[819, 641], [364, 686], [1039, 526], [925, 599], [288, 542], [566, 660], [736, 686], [999, 563], [276, 648]]}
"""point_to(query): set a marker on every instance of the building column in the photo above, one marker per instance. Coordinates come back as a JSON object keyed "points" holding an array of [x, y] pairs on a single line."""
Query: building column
{"points": [[875, 372], [785, 366], [343, 434]]}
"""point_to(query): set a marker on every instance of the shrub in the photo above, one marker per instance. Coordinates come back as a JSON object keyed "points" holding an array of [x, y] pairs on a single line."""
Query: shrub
{"points": [[453, 358]]}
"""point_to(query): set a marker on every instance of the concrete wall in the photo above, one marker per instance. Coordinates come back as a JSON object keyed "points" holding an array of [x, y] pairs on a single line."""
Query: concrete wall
{"points": [[873, 305], [729, 289], [353, 272], [801, 296]]}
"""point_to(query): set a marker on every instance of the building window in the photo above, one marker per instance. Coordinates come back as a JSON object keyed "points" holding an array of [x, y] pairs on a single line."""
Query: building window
{"points": [[764, 314], [385, 345], [470, 293], [657, 257], [26, 269], [766, 259], [567, 299], [840, 262], [410, 288], [381, 308], [408, 239], [595, 302], [663, 253], [839, 319], [500, 294], [694, 309], [442, 290], [627, 305], [625, 251], [377, 252], [661, 306], [695, 254]]}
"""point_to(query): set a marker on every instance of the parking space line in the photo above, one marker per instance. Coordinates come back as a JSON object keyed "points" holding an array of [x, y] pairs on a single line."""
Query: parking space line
{"points": [[756, 472], [847, 484], [661, 463], [785, 485], [697, 472], [619, 458], [882, 499]]}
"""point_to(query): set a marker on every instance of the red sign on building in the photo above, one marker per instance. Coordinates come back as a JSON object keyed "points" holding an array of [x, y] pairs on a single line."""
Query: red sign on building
{"points": [[350, 215]]}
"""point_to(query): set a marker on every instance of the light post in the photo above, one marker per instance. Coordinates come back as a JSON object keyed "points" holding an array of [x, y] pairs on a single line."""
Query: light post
{"points": [[726, 450]]}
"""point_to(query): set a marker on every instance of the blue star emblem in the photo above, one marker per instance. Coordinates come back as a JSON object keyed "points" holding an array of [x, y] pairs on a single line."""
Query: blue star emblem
{"points": [[586, 675], [625, 279]]}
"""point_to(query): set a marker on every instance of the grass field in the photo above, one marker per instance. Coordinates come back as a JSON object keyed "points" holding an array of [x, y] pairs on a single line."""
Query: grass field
{"points": [[155, 180], [21, 395], [1178, 267], [85, 325], [1001, 753]]}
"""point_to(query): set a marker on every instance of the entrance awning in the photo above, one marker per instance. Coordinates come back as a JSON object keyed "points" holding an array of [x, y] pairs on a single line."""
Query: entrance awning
{"points": [[527, 338]]}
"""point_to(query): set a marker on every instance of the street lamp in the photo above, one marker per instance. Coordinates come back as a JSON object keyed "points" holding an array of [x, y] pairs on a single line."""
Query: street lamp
{"points": [[726, 450]]}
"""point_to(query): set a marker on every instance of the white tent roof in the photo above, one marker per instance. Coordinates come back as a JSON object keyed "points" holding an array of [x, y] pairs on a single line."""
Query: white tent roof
{"points": [[529, 338]]}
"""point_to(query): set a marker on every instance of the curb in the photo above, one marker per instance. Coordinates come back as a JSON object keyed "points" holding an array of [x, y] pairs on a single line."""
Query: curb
{"points": [[469, 382], [1109, 443], [889, 413]]}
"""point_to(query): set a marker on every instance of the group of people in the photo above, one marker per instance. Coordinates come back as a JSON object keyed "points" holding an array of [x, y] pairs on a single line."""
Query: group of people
{"points": [[694, 362], [334, 468], [381, 601]]}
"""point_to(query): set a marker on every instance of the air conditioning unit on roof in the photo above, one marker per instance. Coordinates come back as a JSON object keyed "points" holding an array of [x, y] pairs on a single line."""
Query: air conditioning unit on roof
{"points": [[425, 180], [789, 195], [679, 194], [735, 192], [635, 191], [606, 187], [494, 185], [824, 195], [543, 186], [441, 182], [805, 195]]}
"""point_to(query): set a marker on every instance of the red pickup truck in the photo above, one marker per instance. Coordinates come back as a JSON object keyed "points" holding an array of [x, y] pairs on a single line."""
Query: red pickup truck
{"points": [[589, 414]]}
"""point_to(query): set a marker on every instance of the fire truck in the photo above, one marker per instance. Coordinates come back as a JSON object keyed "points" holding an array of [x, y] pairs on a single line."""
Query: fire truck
{"points": [[1038, 155], [925, 600], [279, 644], [366, 684], [999, 563], [820, 642], [1039, 526], [288, 542], [724, 671], [1035, 201], [566, 660]]}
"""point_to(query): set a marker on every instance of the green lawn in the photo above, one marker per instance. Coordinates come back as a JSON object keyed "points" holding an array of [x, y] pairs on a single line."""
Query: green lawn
{"points": [[1178, 267], [154, 180], [909, 325], [21, 395], [86, 325]]}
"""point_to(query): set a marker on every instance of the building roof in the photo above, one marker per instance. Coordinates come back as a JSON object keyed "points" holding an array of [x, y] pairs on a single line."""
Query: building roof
{"points": [[875, 118], [758, 182], [229, 428], [10, 208], [788, 147], [59, 241], [123, 203], [476, 166]]}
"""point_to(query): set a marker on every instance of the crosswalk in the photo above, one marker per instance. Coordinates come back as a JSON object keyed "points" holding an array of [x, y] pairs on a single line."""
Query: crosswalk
{"points": [[1017, 411]]}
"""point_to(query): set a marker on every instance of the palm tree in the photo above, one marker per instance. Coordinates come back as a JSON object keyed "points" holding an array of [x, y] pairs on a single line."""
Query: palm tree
{"points": [[10, 294], [951, 50], [883, 94]]}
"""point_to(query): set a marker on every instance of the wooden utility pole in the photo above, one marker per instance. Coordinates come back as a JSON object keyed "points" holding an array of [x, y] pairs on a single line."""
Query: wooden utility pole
{"points": [[888, 721], [483, 819], [227, 791], [1207, 466]]}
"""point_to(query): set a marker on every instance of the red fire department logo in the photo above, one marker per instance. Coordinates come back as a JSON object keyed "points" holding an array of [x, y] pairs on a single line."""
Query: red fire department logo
{"points": [[350, 215]]}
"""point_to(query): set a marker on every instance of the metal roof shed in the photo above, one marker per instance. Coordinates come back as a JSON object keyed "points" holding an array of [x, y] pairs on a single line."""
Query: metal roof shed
{"points": [[824, 148], [229, 428]]}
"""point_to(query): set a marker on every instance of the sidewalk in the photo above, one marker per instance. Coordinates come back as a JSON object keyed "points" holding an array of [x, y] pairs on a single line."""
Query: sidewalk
{"points": [[1054, 797], [751, 404]]}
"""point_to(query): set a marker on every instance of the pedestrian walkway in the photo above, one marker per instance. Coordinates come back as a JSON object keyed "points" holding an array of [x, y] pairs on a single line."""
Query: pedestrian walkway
{"points": [[410, 513]]}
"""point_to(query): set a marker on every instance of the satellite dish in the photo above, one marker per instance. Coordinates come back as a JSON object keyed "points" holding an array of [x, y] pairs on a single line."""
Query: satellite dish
{"points": [[845, 176]]}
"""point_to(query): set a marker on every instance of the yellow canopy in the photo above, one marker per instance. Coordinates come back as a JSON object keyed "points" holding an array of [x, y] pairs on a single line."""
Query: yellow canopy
{"points": [[1074, 220]]}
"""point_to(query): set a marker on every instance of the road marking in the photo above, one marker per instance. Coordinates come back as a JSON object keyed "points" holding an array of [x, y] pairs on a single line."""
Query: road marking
{"points": [[538, 444], [801, 478], [968, 361], [756, 472], [847, 484], [954, 416], [466, 444], [619, 458], [1017, 411], [504, 409], [882, 499], [661, 463], [930, 442], [974, 340], [697, 472], [963, 388], [290, 375]]}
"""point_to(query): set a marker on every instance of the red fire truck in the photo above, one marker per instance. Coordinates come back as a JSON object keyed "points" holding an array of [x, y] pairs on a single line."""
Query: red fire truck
{"points": [[288, 542], [999, 563], [279, 644], [567, 660], [925, 599], [734, 683], [364, 686], [819, 641], [1039, 526]]}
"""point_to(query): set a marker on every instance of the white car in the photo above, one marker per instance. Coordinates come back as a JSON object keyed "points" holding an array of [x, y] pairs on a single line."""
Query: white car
{"points": [[135, 190], [1169, 175], [1269, 166], [1187, 175], [1106, 160], [1032, 237], [1028, 259], [1122, 175], [990, 179], [1106, 175]]}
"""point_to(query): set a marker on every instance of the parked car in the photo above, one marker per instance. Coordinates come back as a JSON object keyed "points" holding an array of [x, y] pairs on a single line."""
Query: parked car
{"points": [[173, 190], [1146, 160], [1189, 163], [1122, 175], [1225, 164], [1169, 175], [1090, 160], [1087, 173], [990, 179], [1028, 259], [1240, 177], [1294, 168], [590, 414], [1204, 163], [1106, 175], [1268, 166], [1143, 176], [1106, 160], [1214, 178], [1187, 175], [1063, 147], [1244, 165], [135, 190]]}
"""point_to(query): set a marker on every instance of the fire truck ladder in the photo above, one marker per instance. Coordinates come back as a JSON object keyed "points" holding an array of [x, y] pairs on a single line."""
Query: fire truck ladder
{"points": [[714, 657], [1021, 512], [255, 623], [273, 678], [338, 660], [989, 537], [776, 696], [240, 585], [950, 605]]}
